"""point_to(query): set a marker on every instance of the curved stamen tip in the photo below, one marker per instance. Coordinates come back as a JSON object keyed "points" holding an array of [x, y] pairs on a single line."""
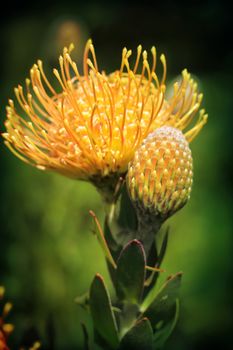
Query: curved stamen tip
{"points": [[162, 58], [40, 64], [89, 42], [124, 51], [71, 47], [55, 71], [144, 55], [153, 50]]}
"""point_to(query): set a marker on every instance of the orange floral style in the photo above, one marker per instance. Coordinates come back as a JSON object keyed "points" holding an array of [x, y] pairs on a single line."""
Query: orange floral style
{"points": [[90, 127]]}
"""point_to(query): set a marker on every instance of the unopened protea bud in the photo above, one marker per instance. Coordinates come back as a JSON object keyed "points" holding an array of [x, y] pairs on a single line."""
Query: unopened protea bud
{"points": [[159, 179]]}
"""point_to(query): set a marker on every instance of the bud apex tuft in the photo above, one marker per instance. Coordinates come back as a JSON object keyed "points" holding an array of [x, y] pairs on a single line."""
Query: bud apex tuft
{"points": [[160, 175]]}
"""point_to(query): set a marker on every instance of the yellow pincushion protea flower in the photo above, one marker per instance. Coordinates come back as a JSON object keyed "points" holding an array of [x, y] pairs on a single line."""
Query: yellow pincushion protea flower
{"points": [[90, 128]]}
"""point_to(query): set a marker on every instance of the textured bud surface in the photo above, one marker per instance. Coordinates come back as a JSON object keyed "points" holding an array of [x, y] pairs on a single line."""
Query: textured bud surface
{"points": [[159, 178]]}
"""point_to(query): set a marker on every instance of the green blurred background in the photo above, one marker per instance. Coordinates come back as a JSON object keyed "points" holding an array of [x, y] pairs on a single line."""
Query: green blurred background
{"points": [[48, 254]]}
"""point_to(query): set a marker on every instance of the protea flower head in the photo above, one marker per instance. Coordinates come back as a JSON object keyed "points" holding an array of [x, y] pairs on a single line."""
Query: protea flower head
{"points": [[160, 175], [90, 127]]}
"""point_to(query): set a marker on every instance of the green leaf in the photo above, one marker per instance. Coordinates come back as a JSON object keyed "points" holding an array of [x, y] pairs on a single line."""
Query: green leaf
{"points": [[102, 314], [121, 223], [162, 334], [139, 337], [161, 308], [155, 259], [127, 216], [130, 274], [127, 317], [163, 248], [109, 236]]}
